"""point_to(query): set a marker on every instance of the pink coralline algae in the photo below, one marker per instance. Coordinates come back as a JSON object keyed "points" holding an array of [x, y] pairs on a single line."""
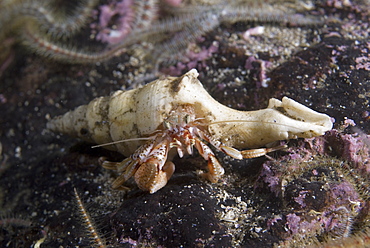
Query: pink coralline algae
{"points": [[192, 59], [355, 148], [363, 63], [322, 196], [272, 174], [259, 66], [124, 10], [321, 200], [293, 222]]}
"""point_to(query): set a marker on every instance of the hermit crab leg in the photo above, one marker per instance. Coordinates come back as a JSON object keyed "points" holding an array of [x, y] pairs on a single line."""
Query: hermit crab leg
{"points": [[235, 153], [148, 165], [127, 168], [215, 170], [152, 152], [255, 153], [128, 165], [129, 171]]}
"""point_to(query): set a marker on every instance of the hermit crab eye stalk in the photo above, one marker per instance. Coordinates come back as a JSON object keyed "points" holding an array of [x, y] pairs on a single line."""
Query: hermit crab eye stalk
{"points": [[187, 119], [174, 103], [166, 124]]}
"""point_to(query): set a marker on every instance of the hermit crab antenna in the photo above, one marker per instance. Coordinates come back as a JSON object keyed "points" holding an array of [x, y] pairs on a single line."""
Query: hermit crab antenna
{"points": [[248, 121], [121, 141]]}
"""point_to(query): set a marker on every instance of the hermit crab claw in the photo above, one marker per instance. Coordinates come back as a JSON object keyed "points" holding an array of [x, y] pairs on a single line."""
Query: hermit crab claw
{"points": [[150, 178]]}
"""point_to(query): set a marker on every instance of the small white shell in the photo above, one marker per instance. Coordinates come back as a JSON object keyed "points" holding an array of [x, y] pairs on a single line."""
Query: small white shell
{"points": [[140, 112]]}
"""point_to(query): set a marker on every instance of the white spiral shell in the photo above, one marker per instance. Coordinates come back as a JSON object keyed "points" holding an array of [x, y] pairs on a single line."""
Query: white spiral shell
{"points": [[141, 112]]}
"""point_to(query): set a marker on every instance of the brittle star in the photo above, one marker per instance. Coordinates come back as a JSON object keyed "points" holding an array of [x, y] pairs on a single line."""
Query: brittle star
{"points": [[40, 28]]}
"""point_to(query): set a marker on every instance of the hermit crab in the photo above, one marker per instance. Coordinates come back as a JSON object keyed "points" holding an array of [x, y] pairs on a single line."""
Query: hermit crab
{"points": [[176, 113]]}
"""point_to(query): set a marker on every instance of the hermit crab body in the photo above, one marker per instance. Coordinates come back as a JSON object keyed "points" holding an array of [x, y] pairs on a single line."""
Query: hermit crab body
{"points": [[179, 113]]}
